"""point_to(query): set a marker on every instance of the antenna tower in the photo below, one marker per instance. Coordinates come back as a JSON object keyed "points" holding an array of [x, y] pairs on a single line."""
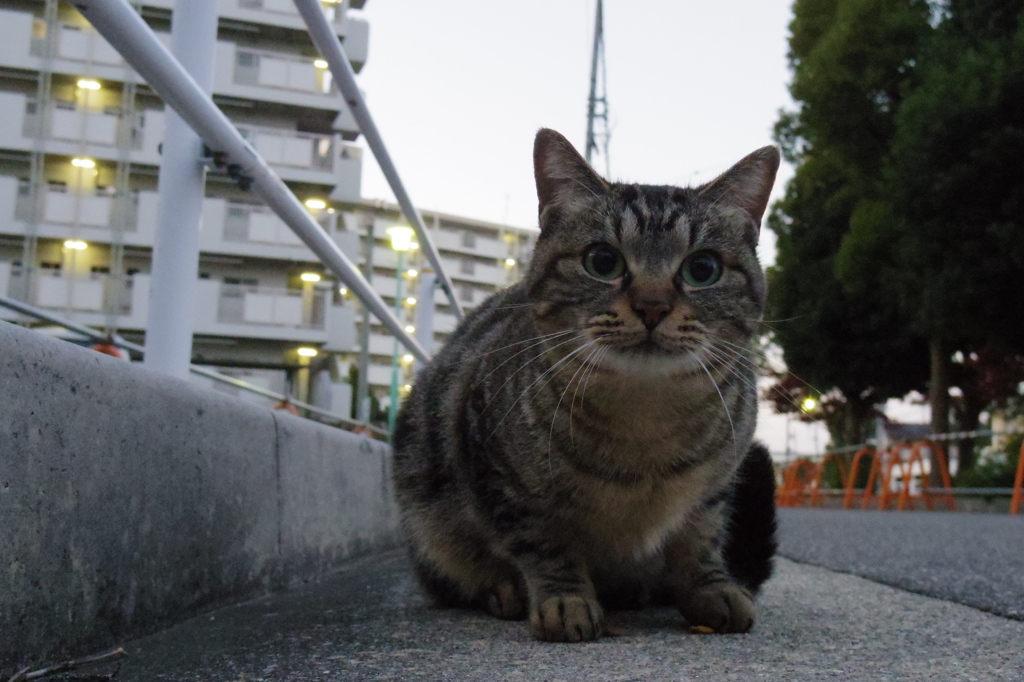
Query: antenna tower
{"points": [[597, 104]]}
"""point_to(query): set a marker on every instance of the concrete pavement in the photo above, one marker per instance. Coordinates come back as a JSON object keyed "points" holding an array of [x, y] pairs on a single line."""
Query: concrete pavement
{"points": [[370, 622]]}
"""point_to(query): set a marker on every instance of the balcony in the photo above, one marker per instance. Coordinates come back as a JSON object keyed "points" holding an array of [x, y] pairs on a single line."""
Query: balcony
{"points": [[283, 77], [106, 133], [225, 310], [59, 206], [242, 304], [309, 157], [75, 48], [254, 230], [62, 213], [229, 227], [353, 31], [86, 298], [240, 72]]}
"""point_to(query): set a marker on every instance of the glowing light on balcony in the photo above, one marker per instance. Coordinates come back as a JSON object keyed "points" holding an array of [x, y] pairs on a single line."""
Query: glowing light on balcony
{"points": [[309, 277], [316, 204], [83, 163], [75, 245], [307, 352], [88, 84], [411, 300], [407, 358], [412, 272], [343, 291], [401, 237], [510, 262], [407, 387], [409, 329], [320, 64]]}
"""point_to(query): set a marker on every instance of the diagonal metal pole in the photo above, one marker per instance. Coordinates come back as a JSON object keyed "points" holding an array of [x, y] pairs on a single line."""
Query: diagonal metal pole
{"points": [[131, 36], [326, 40]]}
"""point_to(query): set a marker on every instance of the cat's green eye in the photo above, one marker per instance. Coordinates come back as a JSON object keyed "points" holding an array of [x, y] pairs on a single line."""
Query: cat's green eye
{"points": [[604, 262], [702, 269]]}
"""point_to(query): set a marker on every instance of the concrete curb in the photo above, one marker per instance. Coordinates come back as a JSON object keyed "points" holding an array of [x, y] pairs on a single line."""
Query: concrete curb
{"points": [[130, 500]]}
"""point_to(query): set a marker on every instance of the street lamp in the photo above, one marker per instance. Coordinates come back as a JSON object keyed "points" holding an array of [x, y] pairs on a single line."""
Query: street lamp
{"points": [[401, 241]]}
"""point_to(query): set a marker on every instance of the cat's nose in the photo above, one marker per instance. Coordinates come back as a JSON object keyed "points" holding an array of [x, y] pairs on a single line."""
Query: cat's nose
{"points": [[652, 311]]}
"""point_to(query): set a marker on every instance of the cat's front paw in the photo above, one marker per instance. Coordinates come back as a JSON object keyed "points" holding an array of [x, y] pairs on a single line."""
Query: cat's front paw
{"points": [[723, 607], [567, 618], [506, 600]]}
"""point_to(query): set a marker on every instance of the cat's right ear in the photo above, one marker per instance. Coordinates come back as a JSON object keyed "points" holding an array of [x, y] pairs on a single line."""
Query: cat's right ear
{"points": [[563, 176]]}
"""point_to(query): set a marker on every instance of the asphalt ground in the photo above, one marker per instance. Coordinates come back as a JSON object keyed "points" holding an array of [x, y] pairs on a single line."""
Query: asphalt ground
{"points": [[370, 621], [973, 559]]}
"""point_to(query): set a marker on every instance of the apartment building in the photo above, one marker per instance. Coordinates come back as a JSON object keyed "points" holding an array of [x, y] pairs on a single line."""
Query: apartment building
{"points": [[79, 157]]}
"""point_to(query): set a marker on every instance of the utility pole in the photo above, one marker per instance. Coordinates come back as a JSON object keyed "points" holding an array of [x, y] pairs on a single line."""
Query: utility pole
{"points": [[171, 317], [363, 380], [597, 103]]}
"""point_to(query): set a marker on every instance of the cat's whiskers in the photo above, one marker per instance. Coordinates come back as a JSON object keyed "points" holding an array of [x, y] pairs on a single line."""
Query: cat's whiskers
{"points": [[762, 356], [729, 368], [554, 414], [601, 352], [522, 367], [513, 305], [540, 338], [549, 371], [732, 427], [736, 363]]}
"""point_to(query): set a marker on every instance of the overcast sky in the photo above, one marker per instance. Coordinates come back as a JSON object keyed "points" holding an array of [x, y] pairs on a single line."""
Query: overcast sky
{"points": [[459, 89]]}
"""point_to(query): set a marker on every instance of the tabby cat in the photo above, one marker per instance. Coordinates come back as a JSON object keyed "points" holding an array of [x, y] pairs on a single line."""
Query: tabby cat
{"points": [[584, 440]]}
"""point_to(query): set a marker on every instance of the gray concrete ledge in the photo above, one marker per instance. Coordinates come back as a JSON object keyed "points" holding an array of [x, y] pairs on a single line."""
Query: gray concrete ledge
{"points": [[129, 500]]}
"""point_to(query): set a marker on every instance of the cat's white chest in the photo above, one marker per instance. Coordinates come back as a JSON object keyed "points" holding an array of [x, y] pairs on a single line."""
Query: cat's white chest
{"points": [[633, 522]]}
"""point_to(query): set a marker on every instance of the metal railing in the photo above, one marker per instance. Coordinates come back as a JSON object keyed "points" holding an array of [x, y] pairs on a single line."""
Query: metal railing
{"points": [[326, 40], [325, 416]]}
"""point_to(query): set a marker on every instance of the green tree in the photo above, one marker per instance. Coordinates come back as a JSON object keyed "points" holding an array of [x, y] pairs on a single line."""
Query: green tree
{"points": [[852, 61], [945, 238]]}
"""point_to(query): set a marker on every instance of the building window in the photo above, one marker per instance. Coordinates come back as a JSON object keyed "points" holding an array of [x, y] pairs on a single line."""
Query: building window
{"points": [[467, 267], [469, 239], [466, 293]]}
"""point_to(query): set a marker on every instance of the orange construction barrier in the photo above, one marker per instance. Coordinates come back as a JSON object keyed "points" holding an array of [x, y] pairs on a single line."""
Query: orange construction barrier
{"points": [[886, 494], [1018, 483], [794, 487], [851, 480], [938, 460], [874, 474], [817, 497]]}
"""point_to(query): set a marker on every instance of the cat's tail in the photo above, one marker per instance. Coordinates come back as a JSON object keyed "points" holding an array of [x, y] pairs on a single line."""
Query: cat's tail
{"points": [[751, 546]]}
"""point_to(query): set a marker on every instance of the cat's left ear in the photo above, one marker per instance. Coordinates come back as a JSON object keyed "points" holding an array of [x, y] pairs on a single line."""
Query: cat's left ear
{"points": [[747, 185], [562, 175]]}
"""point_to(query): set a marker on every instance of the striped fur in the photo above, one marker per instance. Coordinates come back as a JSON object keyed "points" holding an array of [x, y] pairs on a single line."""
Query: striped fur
{"points": [[576, 443]]}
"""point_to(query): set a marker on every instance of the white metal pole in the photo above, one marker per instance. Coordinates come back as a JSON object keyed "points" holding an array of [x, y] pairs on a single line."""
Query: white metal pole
{"points": [[175, 266], [425, 313], [131, 36], [326, 40]]}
